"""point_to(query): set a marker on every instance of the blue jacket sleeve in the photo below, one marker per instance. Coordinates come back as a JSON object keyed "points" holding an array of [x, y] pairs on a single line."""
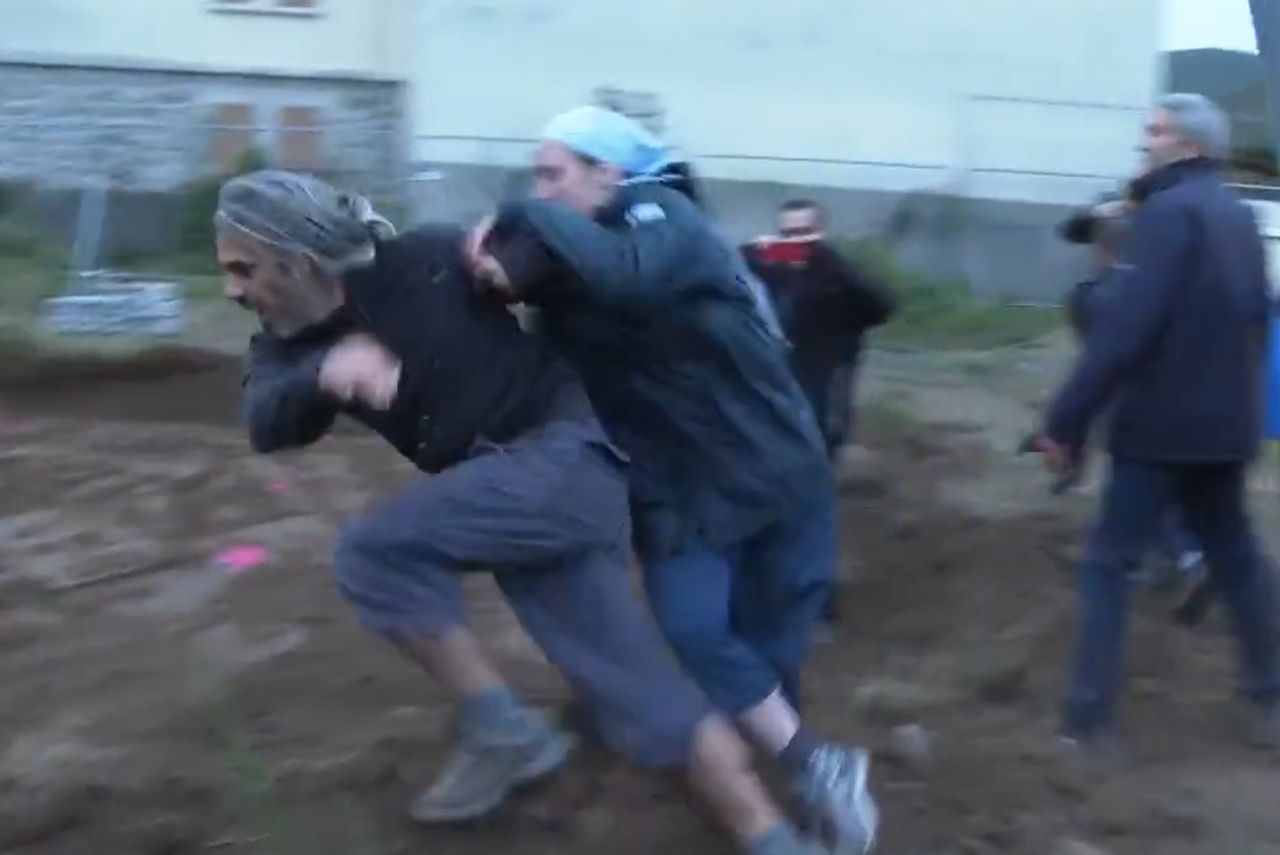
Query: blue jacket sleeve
{"points": [[283, 403], [1130, 322], [647, 263]]}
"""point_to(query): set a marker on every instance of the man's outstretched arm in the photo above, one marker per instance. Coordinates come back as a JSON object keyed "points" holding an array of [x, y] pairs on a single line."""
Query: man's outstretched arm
{"points": [[640, 264], [283, 403]]}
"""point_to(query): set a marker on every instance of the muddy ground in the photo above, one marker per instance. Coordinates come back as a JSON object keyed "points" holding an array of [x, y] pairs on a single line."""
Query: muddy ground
{"points": [[153, 703]]}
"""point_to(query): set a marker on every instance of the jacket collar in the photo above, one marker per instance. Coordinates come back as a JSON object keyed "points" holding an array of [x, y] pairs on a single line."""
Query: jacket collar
{"points": [[1171, 175], [615, 210], [369, 288]]}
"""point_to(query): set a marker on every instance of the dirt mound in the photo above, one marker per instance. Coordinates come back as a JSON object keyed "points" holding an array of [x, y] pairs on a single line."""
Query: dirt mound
{"points": [[163, 383]]}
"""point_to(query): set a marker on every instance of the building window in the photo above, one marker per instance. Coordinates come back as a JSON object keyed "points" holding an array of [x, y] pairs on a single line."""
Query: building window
{"points": [[299, 139], [269, 7], [232, 135]]}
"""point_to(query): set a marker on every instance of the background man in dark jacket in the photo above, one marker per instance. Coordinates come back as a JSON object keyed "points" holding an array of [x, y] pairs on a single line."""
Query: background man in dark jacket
{"points": [[392, 332], [1104, 227], [1177, 350], [824, 305]]}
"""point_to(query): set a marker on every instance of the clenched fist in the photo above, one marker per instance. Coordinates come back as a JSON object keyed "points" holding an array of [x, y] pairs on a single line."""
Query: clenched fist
{"points": [[358, 368]]}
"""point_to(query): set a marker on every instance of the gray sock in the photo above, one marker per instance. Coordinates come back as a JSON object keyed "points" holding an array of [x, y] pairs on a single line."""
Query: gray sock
{"points": [[779, 840], [497, 711]]}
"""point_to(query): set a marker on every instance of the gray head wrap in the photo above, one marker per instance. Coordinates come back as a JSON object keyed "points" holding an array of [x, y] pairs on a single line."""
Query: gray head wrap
{"points": [[301, 215]]}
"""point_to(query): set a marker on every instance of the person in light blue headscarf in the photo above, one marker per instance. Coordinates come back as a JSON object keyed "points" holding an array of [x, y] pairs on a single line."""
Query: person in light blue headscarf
{"points": [[732, 497], [607, 137]]}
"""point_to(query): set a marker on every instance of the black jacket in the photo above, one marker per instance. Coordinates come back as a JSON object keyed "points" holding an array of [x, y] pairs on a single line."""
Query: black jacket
{"points": [[824, 306], [1180, 342], [469, 373], [651, 307]]}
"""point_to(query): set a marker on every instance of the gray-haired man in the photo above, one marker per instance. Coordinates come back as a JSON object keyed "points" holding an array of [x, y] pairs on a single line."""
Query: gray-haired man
{"points": [[391, 331], [1177, 354]]}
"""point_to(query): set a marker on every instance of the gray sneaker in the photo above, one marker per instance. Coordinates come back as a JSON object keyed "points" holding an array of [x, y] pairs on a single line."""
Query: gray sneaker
{"points": [[485, 768], [834, 794]]}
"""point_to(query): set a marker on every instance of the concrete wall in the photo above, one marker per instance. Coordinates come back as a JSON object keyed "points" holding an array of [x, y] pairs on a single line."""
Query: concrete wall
{"points": [[974, 97], [151, 130], [999, 248], [343, 38]]}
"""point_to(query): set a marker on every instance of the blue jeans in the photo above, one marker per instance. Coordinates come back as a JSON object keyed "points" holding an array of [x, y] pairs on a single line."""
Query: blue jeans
{"points": [[740, 619], [1138, 496]]}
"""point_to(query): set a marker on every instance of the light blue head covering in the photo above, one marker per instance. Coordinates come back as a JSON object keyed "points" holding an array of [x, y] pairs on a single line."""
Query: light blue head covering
{"points": [[612, 138], [609, 137]]}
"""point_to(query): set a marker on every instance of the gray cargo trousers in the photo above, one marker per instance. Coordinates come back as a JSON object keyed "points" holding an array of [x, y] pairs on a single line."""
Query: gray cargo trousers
{"points": [[547, 514]]}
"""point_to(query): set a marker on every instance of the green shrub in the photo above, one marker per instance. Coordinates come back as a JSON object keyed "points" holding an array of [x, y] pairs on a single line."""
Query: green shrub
{"points": [[942, 313]]}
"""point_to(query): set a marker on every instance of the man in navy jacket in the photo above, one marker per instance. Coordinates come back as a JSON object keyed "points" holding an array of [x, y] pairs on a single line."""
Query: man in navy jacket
{"points": [[1177, 352]]}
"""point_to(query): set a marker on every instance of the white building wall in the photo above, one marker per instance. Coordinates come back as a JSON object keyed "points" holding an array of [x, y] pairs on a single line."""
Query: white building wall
{"points": [[855, 93], [338, 38]]}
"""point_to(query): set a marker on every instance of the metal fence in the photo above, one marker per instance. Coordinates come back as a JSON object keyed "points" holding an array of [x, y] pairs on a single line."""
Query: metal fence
{"points": [[115, 190], [124, 188]]}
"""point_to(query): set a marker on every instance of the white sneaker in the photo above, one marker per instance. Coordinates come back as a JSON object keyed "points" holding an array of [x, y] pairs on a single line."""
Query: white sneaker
{"points": [[834, 792]]}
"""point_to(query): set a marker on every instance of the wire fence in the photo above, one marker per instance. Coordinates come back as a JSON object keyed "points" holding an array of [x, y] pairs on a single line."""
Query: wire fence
{"points": [[136, 192], [116, 189]]}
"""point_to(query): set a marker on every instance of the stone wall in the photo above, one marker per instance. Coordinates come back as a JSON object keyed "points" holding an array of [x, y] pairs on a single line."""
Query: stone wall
{"points": [[65, 126]]}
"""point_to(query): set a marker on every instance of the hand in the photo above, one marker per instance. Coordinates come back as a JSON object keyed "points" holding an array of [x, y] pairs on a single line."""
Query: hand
{"points": [[1057, 458], [358, 368], [489, 272], [476, 238], [486, 269]]}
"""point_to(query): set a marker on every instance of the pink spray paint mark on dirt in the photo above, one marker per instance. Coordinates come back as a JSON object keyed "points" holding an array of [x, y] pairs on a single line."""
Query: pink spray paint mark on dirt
{"points": [[241, 558]]}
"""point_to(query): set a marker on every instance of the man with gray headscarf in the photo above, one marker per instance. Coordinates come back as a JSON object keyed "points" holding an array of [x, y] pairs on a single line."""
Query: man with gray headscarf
{"points": [[392, 332], [1177, 354], [732, 496]]}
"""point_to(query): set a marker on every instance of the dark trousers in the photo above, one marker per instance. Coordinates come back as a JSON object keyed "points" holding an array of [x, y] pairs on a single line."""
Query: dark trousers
{"points": [[548, 515], [828, 387], [740, 619], [1211, 498]]}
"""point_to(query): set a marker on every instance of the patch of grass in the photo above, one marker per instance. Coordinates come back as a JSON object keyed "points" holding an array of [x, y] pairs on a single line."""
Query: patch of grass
{"points": [[954, 321], [196, 287], [940, 314], [272, 826], [891, 414], [260, 806], [202, 262], [979, 367], [30, 270], [24, 283]]}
